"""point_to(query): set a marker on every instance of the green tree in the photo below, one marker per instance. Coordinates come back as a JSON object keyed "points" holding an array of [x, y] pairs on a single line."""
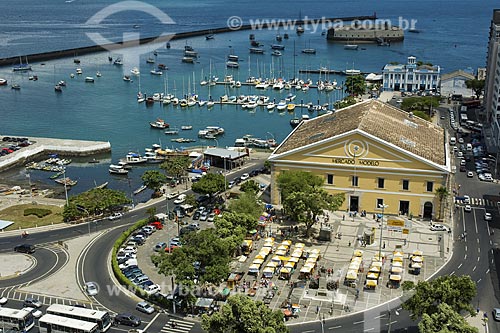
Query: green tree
{"points": [[246, 204], [476, 85], [267, 164], [151, 211], [422, 114], [355, 85], [190, 200], [445, 320], [442, 193], [94, 201], [176, 166], [240, 314], [304, 198], [154, 180], [209, 184], [234, 220], [250, 186], [455, 291], [420, 103], [347, 101]]}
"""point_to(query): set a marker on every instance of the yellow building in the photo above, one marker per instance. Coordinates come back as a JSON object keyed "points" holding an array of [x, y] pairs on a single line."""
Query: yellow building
{"points": [[375, 153]]}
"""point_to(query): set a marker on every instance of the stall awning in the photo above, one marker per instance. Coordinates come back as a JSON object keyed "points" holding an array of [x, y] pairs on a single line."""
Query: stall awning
{"points": [[285, 270], [299, 245], [395, 277], [397, 264], [289, 265], [418, 253], [400, 259], [417, 259], [398, 254], [374, 269], [242, 259], [286, 242], [203, 302], [260, 256], [268, 270], [354, 265], [306, 269], [358, 253], [272, 264], [281, 253], [282, 248], [372, 276], [258, 261], [294, 259], [356, 259], [416, 265], [396, 270], [351, 275], [371, 283]]}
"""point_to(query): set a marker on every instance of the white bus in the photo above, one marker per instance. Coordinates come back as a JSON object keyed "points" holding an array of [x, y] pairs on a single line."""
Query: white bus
{"points": [[101, 318], [18, 320], [54, 324]]}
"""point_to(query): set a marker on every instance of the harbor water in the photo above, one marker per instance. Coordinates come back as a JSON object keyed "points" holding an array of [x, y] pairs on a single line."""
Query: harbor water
{"points": [[453, 37]]}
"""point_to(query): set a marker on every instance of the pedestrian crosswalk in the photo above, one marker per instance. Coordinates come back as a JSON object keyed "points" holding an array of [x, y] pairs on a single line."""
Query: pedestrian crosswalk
{"points": [[477, 202], [15, 293], [177, 326]]}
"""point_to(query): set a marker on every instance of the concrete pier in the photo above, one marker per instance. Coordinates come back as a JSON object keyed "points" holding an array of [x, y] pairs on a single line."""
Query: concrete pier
{"points": [[44, 146]]}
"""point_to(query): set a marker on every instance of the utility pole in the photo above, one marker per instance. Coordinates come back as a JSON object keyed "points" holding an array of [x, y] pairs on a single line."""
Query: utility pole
{"points": [[383, 207]]}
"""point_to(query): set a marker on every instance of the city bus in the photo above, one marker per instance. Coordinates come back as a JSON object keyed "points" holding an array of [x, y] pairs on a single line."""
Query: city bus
{"points": [[101, 318], [50, 323], [18, 320]]}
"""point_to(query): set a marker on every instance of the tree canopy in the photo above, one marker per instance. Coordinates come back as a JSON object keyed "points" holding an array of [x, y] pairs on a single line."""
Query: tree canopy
{"points": [[176, 166], [445, 320], [355, 85], [210, 183], [304, 198], [153, 179], [456, 291], [93, 202], [240, 314], [246, 203], [347, 101], [420, 103], [250, 186], [476, 85]]}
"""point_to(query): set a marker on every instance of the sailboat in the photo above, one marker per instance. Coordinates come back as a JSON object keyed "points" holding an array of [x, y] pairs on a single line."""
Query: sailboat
{"points": [[140, 96], [210, 102], [22, 67], [57, 87], [309, 50]]}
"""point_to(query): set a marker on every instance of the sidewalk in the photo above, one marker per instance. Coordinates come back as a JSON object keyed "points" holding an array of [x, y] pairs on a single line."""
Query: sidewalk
{"points": [[478, 322]]}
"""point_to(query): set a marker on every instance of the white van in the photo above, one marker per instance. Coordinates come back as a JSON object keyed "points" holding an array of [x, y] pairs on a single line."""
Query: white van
{"points": [[469, 147], [453, 140]]}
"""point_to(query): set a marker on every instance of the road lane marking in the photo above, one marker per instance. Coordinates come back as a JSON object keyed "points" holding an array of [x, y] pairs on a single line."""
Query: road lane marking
{"points": [[478, 280], [310, 331], [452, 273], [460, 265], [488, 271], [377, 317], [151, 322], [477, 240], [358, 322], [465, 257], [474, 268], [334, 327], [466, 248], [479, 249], [369, 329], [478, 258]]}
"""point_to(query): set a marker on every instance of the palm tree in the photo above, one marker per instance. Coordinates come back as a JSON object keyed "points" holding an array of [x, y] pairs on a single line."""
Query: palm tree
{"points": [[442, 193]]}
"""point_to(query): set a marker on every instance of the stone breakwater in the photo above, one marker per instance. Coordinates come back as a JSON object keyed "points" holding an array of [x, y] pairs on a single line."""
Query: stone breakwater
{"points": [[44, 146]]}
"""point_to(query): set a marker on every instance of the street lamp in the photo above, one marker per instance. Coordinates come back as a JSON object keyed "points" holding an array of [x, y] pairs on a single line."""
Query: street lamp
{"points": [[82, 209], [383, 207], [65, 186], [355, 180]]}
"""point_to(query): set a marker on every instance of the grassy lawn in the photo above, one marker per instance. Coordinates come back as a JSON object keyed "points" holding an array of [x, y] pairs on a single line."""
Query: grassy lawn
{"points": [[16, 215]]}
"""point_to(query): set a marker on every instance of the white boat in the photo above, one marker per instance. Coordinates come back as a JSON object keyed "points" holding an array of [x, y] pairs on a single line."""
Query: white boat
{"points": [[135, 71], [159, 123], [309, 51], [191, 102], [351, 47], [262, 85], [271, 106], [279, 85], [290, 97], [172, 131], [140, 189], [89, 79], [300, 29], [150, 60], [202, 103], [79, 71], [156, 72], [117, 169], [98, 74], [233, 57], [210, 104], [232, 64], [186, 127], [3, 82], [188, 60], [134, 158], [251, 105], [127, 78], [276, 53], [118, 62], [281, 105], [352, 72]]}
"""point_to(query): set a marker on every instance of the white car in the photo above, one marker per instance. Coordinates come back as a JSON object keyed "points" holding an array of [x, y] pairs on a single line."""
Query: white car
{"points": [[115, 216], [244, 176], [145, 307], [130, 250], [460, 140], [211, 217], [466, 199], [204, 216], [460, 154], [35, 312], [172, 195], [91, 288], [468, 208], [438, 227], [3, 300], [487, 217], [180, 199], [399, 101], [152, 289], [470, 174]]}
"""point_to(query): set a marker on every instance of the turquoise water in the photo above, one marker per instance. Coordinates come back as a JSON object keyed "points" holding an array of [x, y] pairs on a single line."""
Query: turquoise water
{"points": [[454, 37]]}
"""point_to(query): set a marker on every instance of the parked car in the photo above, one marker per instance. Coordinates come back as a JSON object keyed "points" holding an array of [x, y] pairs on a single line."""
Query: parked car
{"points": [[487, 217], [496, 314], [32, 303], [91, 288], [468, 208], [204, 216], [145, 307], [160, 246], [35, 312], [127, 319], [231, 184], [115, 216], [470, 174], [244, 176], [194, 226], [211, 217], [196, 215], [3, 300], [172, 195], [175, 241]]}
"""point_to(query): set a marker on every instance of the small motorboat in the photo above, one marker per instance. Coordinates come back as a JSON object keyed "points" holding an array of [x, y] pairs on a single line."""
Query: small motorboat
{"points": [[276, 53], [186, 127], [159, 123], [89, 79]]}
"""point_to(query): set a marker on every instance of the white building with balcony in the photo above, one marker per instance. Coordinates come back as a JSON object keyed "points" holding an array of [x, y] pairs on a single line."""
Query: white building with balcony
{"points": [[410, 77]]}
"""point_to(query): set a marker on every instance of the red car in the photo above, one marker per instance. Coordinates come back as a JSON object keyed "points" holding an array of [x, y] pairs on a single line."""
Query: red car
{"points": [[157, 225], [170, 249], [8, 150]]}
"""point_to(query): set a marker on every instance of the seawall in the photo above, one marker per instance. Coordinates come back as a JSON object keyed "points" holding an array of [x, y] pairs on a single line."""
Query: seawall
{"points": [[45, 146], [36, 57]]}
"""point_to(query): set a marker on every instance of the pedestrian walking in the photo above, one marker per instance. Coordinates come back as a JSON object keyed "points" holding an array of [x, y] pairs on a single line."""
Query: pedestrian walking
{"points": [[383, 245]]}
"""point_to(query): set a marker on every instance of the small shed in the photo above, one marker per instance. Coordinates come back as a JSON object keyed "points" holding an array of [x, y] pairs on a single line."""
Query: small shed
{"points": [[225, 158], [203, 304]]}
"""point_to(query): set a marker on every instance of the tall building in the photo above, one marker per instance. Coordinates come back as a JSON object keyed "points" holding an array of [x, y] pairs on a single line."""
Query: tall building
{"points": [[492, 86], [411, 77]]}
